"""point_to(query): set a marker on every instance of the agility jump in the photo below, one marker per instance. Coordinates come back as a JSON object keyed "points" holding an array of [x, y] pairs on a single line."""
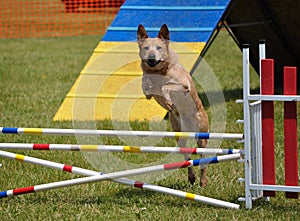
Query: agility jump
{"points": [[258, 139], [117, 177], [226, 155]]}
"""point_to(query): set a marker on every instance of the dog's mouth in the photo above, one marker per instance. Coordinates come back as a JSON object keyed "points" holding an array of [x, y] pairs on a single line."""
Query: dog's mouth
{"points": [[152, 62]]}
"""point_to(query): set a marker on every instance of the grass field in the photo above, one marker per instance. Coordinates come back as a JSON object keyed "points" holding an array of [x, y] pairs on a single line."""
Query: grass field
{"points": [[36, 74]]}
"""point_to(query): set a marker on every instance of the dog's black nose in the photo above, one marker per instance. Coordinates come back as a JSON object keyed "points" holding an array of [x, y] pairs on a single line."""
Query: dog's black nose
{"points": [[151, 57], [151, 61]]}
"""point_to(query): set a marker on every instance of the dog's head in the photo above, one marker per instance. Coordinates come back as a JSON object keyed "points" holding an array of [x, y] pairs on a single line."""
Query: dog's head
{"points": [[154, 52]]}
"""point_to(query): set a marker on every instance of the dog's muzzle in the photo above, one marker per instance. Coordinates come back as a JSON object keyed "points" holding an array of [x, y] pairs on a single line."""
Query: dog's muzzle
{"points": [[151, 61]]}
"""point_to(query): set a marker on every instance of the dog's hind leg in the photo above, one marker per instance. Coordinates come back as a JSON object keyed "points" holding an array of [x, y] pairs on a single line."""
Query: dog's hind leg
{"points": [[176, 125], [191, 173], [203, 177]]}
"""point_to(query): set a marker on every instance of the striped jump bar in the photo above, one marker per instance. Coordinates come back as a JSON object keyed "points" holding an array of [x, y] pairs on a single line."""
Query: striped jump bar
{"points": [[114, 148], [162, 167], [86, 172], [110, 176], [120, 133]]}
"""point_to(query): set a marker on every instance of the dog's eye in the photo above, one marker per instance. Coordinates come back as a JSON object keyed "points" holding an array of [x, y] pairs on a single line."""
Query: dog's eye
{"points": [[146, 48], [158, 47]]}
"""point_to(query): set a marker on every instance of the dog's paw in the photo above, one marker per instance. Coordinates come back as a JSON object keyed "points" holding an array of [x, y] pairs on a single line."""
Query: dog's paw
{"points": [[192, 179], [170, 106], [203, 181]]}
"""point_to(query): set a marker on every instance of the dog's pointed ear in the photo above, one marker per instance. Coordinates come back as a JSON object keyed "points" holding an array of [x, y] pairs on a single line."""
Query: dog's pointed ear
{"points": [[141, 33], [164, 33]]}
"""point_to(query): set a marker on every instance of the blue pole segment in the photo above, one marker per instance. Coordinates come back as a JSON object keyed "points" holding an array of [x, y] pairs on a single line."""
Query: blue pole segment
{"points": [[10, 130], [202, 161], [202, 135], [3, 194]]}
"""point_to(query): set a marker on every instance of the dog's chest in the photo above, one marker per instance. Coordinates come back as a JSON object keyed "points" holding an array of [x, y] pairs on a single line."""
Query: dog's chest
{"points": [[152, 83]]}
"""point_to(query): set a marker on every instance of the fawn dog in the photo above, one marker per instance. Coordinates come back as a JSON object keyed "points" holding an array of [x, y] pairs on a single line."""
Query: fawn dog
{"points": [[172, 87]]}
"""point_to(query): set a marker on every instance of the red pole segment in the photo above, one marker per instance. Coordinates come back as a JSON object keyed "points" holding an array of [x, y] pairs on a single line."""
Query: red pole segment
{"points": [[268, 155], [290, 131]]}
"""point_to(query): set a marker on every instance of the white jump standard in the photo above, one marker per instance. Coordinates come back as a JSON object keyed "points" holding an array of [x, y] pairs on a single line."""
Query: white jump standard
{"points": [[260, 175]]}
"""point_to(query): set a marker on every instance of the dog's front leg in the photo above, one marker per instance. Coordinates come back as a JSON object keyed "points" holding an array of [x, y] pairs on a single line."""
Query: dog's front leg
{"points": [[147, 87], [165, 90]]}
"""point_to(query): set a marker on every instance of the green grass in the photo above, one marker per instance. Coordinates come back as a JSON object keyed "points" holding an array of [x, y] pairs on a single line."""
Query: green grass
{"points": [[36, 74]]}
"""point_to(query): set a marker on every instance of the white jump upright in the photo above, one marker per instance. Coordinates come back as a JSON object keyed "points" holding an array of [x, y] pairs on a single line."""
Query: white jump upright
{"points": [[259, 158]]}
